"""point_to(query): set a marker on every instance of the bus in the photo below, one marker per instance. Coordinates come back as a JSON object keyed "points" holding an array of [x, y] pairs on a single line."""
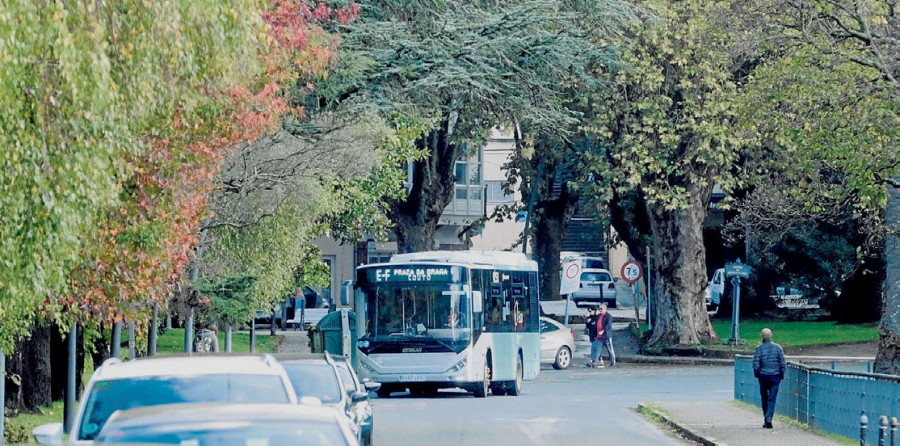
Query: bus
{"points": [[443, 319]]}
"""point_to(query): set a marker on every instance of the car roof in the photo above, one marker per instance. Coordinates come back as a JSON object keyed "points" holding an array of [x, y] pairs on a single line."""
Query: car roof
{"points": [[552, 321], [189, 365], [196, 412]]}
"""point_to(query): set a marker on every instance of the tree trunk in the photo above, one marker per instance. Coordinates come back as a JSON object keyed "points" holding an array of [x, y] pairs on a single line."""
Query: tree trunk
{"points": [[431, 190], [549, 230], [28, 383], [888, 358], [679, 311]]}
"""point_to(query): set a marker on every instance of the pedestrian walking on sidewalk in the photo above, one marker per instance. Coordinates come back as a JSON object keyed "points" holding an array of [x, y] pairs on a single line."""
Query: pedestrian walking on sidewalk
{"points": [[591, 326], [604, 334], [768, 367]]}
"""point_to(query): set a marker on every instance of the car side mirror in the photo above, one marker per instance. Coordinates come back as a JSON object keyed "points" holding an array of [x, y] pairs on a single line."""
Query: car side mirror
{"points": [[48, 433], [357, 397], [372, 386]]}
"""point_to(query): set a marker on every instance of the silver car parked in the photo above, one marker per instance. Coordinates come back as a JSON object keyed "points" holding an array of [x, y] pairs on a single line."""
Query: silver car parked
{"points": [[597, 286], [557, 344]]}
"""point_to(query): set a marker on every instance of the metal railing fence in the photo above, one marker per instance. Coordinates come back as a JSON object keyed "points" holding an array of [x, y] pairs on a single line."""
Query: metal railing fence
{"points": [[829, 400]]}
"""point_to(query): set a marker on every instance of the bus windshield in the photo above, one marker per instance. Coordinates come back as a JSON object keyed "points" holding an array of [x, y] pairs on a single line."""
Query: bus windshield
{"points": [[419, 316]]}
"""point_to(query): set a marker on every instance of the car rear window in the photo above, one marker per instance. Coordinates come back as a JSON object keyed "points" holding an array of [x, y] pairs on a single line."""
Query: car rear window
{"points": [[318, 380], [238, 433], [595, 277], [121, 394], [589, 263]]}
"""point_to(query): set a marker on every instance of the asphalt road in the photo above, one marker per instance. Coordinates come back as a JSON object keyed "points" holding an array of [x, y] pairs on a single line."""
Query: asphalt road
{"points": [[578, 406]]}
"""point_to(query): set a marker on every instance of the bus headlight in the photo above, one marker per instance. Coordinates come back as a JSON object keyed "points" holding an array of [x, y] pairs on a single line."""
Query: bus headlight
{"points": [[458, 366], [362, 344]]}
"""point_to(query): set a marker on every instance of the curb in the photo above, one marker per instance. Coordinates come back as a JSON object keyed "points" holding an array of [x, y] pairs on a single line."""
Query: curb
{"points": [[680, 360], [687, 433]]}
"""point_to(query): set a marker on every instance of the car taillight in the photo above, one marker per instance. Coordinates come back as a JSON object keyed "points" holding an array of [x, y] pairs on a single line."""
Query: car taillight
{"points": [[573, 334], [612, 286]]}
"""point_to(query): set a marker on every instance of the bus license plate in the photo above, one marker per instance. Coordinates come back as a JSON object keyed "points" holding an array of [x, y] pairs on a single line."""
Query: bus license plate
{"points": [[408, 378]]}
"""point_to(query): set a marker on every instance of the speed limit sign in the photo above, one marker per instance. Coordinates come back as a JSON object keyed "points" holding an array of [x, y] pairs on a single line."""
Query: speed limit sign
{"points": [[632, 272]]}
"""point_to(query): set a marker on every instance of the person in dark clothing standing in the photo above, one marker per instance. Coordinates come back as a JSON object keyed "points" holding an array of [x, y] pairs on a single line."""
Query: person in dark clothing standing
{"points": [[768, 367], [604, 334], [591, 326]]}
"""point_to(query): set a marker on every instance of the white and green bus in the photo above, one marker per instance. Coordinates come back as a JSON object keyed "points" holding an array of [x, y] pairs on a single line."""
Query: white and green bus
{"points": [[441, 319]]}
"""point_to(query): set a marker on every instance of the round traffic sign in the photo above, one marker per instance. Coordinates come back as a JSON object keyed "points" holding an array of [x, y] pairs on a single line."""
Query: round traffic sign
{"points": [[572, 271], [632, 271]]}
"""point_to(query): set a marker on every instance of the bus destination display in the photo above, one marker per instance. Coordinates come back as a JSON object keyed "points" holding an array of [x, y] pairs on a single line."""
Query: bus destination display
{"points": [[413, 273]]}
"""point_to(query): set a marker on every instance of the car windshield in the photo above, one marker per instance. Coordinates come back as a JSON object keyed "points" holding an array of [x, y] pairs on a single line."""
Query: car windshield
{"points": [[228, 433], [316, 380], [109, 396], [595, 277]]}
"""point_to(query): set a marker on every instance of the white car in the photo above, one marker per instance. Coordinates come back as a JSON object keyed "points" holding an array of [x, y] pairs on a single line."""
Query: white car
{"points": [[597, 286], [154, 381], [557, 344]]}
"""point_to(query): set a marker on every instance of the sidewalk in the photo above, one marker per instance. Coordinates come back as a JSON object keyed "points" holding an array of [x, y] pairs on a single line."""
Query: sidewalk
{"points": [[295, 341], [724, 423]]}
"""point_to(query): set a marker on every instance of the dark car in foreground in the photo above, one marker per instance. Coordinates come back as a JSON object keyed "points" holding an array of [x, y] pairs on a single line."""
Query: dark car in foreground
{"points": [[229, 424]]}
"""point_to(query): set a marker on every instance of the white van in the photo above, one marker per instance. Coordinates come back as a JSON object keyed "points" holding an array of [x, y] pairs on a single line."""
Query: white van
{"points": [[714, 290]]}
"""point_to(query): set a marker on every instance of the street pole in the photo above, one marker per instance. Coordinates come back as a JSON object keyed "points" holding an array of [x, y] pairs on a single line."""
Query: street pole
{"points": [[117, 339], [649, 287], [154, 323], [131, 341], [566, 319], [228, 337], [735, 311], [189, 332], [69, 408], [2, 395], [252, 335]]}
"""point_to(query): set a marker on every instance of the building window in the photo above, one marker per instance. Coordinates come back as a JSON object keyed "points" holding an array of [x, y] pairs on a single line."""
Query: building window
{"points": [[495, 193]]}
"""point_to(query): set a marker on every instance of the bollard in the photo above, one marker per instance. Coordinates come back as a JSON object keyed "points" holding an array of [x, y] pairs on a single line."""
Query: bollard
{"points": [[868, 367], [832, 365], [882, 429], [863, 425], [893, 431], [189, 332]]}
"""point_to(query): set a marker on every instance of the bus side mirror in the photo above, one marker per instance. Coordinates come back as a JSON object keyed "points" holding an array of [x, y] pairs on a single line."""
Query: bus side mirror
{"points": [[476, 302], [346, 292]]}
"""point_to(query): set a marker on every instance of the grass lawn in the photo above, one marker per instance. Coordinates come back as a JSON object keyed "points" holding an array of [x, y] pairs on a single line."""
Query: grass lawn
{"points": [[27, 421], [792, 334], [172, 341]]}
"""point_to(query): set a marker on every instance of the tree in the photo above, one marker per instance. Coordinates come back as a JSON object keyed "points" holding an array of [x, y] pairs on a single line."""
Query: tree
{"points": [[467, 65], [831, 76], [666, 138]]}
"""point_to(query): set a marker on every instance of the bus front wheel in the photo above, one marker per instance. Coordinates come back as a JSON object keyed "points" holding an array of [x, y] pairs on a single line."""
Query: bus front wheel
{"points": [[481, 389]]}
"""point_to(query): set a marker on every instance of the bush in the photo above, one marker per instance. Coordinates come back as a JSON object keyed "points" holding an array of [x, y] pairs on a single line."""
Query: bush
{"points": [[15, 432]]}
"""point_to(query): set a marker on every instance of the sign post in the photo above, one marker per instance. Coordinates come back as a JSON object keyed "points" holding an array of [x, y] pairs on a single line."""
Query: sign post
{"points": [[569, 283], [736, 271], [631, 273]]}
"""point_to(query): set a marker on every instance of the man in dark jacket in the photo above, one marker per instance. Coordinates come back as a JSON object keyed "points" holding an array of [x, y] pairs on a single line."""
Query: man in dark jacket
{"points": [[768, 367], [604, 334], [590, 324]]}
